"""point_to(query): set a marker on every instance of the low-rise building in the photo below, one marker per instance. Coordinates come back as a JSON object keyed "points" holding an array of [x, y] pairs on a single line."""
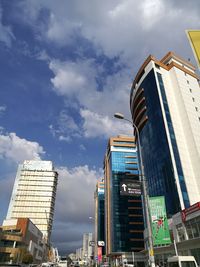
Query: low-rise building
{"points": [[21, 241], [185, 232]]}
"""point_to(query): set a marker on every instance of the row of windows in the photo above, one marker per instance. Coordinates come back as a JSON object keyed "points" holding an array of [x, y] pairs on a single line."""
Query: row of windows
{"points": [[33, 210], [43, 172], [34, 194], [123, 148], [37, 199], [121, 154], [193, 99], [32, 215], [124, 142], [34, 186], [120, 163], [32, 206], [192, 229], [37, 178], [38, 184], [29, 189]]}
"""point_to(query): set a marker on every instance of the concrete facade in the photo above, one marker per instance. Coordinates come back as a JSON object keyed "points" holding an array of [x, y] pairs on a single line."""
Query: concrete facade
{"points": [[34, 194], [18, 237]]}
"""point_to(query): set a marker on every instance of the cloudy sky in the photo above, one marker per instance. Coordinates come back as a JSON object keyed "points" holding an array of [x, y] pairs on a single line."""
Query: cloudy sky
{"points": [[66, 67]]}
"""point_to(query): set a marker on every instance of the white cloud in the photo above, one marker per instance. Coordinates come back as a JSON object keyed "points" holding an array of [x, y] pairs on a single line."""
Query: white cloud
{"points": [[96, 125], [118, 28], [98, 109], [64, 33], [18, 149], [6, 184], [64, 138], [76, 186], [151, 12], [129, 30], [65, 128], [82, 147], [6, 34], [67, 79], [72, 79], [2, 110]]}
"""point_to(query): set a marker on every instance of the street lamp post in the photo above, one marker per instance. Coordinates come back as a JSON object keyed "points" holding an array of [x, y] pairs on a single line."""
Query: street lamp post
{"points": [[145, 194]]}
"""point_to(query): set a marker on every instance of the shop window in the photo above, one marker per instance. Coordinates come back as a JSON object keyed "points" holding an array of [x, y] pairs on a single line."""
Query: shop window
{"points": [[157, 66], [195, 230], [189, 230], [180, 231]]}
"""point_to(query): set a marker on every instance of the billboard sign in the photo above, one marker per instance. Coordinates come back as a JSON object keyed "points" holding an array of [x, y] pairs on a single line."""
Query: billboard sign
{"points": [[130, 188], [184, 213], [159, 222], [101, 243], [99, 253], [194, 39]]}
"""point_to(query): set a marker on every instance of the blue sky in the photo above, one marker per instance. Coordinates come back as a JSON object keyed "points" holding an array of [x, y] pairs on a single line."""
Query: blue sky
{"points": [[66, 68]]}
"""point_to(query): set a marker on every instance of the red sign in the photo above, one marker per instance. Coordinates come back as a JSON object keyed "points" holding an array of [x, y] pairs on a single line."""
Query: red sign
{"points": [[99, 254], [190, 210]]}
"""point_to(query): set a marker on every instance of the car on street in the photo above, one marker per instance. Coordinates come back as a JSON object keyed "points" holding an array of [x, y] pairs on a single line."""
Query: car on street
{"points": [[182, 261]]}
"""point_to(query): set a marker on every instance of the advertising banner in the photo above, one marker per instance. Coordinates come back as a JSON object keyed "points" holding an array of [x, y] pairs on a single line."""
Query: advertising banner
{"points": [[159, 222], [130, 188], [99, 253], [194, 38]]}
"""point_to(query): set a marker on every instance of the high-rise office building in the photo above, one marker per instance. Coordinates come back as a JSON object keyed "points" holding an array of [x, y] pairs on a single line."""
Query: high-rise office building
{"points": [[123, 206], [99, 215], [79, 254], [87, 248], [165, 106], [34, 194]]}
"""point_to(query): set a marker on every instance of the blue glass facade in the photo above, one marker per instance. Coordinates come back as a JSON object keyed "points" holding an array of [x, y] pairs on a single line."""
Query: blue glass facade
{"points": [[126, 211], [101, 218], [119, 162], [173, 142], [157, 160]]}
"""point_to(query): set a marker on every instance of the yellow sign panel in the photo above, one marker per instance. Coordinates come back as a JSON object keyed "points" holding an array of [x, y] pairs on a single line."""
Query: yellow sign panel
{"points": [[194, 38], [151, 252]]}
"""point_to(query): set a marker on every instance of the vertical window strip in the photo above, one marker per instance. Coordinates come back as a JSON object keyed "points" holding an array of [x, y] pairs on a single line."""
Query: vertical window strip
{"points": [[173, 141]]}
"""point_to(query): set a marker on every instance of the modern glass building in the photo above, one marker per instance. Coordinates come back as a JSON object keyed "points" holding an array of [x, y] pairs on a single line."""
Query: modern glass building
{"points": [[123, 209], [99, 215], [165, 106], [34, 194]]}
